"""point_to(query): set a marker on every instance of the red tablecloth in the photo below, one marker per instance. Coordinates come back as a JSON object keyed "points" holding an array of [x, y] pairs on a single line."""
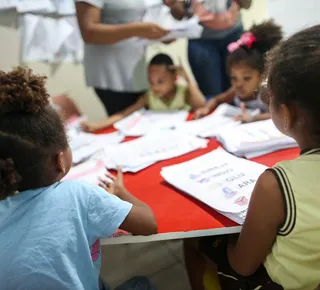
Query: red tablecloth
{"points": [[175, 211]]}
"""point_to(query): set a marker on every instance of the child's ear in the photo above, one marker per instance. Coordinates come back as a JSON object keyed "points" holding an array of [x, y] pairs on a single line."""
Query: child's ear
{"points": [[289, 117], [60, 161]]}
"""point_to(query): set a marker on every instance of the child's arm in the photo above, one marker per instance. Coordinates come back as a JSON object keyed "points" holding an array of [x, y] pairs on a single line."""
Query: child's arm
{"points": [[194, 96], [95, 126], [140, 220], [261, 117], [245, 117], [266, 213], [214, 102]]}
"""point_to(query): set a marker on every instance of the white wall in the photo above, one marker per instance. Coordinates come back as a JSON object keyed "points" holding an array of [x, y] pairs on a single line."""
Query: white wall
{"points": [[69, 77]]}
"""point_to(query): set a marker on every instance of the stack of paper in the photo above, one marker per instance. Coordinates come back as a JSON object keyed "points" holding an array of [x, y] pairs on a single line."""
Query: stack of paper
{"points": [[212, 124], [218, 179], [140, 153], [143, 122], [254, 139]]}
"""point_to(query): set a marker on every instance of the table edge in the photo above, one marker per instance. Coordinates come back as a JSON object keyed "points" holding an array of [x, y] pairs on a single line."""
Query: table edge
{"points": [[170, 236]]}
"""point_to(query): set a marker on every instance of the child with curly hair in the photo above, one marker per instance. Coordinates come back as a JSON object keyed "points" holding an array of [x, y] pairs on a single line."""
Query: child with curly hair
{"points": [[50, 230], [246, 66], [279, 244]]}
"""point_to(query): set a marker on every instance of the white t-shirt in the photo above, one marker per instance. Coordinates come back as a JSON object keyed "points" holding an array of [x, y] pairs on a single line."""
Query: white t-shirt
{"points": [[119, 67]]}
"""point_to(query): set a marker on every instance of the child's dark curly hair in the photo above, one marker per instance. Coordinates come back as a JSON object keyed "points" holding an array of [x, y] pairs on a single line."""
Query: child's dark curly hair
{"points": [[293, 70], [267, 35], [31, 132]]}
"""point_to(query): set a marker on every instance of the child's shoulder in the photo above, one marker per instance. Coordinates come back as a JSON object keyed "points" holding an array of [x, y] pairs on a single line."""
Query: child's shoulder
{"points": [[77, 189]]}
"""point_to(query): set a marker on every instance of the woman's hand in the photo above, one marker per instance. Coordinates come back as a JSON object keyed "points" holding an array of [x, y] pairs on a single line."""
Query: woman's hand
{"points": [[218, 21], [149, 30]]}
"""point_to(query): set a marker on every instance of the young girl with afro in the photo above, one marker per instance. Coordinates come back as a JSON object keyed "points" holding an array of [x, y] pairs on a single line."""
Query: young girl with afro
{"points": [[279, 244], [246, 66], [50, 229]]}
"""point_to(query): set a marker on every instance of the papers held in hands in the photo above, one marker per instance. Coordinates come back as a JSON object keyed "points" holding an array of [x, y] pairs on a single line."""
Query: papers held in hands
{"points": [[254, 139], [161, 15], [218, 179], [140, 153]]}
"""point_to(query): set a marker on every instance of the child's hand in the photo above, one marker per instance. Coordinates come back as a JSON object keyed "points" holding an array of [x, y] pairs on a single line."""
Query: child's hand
{"points": [[113, 184], [88, 126], [108, 183], [245, 117], [179, 70], [201, 112]]}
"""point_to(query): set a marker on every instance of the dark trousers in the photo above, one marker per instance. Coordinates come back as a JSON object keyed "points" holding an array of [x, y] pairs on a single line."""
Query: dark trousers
{"points": [[208, 59], [115, 102]]}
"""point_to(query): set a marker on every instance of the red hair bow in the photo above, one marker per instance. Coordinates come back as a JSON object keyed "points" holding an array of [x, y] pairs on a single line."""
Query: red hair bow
{"points": [[246, 39]]}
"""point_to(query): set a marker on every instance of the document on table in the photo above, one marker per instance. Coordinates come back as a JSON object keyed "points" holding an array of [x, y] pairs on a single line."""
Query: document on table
{"points": [[143, 122], [149, 149], [90, 171], [254, 139], [209, 126], [85, 145], [218, 179]]}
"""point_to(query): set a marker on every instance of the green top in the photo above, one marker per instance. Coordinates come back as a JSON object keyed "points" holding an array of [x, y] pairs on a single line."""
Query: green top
{"points": [[179, 102], [294, 260]]}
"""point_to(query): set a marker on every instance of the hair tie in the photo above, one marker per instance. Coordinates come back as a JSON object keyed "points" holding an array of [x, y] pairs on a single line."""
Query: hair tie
{"points": [[246, 39]]}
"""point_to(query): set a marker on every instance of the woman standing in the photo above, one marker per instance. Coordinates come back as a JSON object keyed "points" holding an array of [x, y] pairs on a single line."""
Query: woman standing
{"points": [[114, 56], [207, 55]]}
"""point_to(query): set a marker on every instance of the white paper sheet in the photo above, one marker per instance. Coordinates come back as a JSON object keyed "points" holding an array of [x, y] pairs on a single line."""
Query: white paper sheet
{"points": [[71, 47], [7, 4], [48, 39], [209, 126], [219, 179], [189, 28], [89, 171], [254, 139], [85, 145], [35, 38], [25, 6], [151, 148], [143, 122]]}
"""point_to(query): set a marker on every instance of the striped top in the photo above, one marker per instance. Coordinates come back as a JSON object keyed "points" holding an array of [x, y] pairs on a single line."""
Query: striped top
{"points": [[294, 261]]}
